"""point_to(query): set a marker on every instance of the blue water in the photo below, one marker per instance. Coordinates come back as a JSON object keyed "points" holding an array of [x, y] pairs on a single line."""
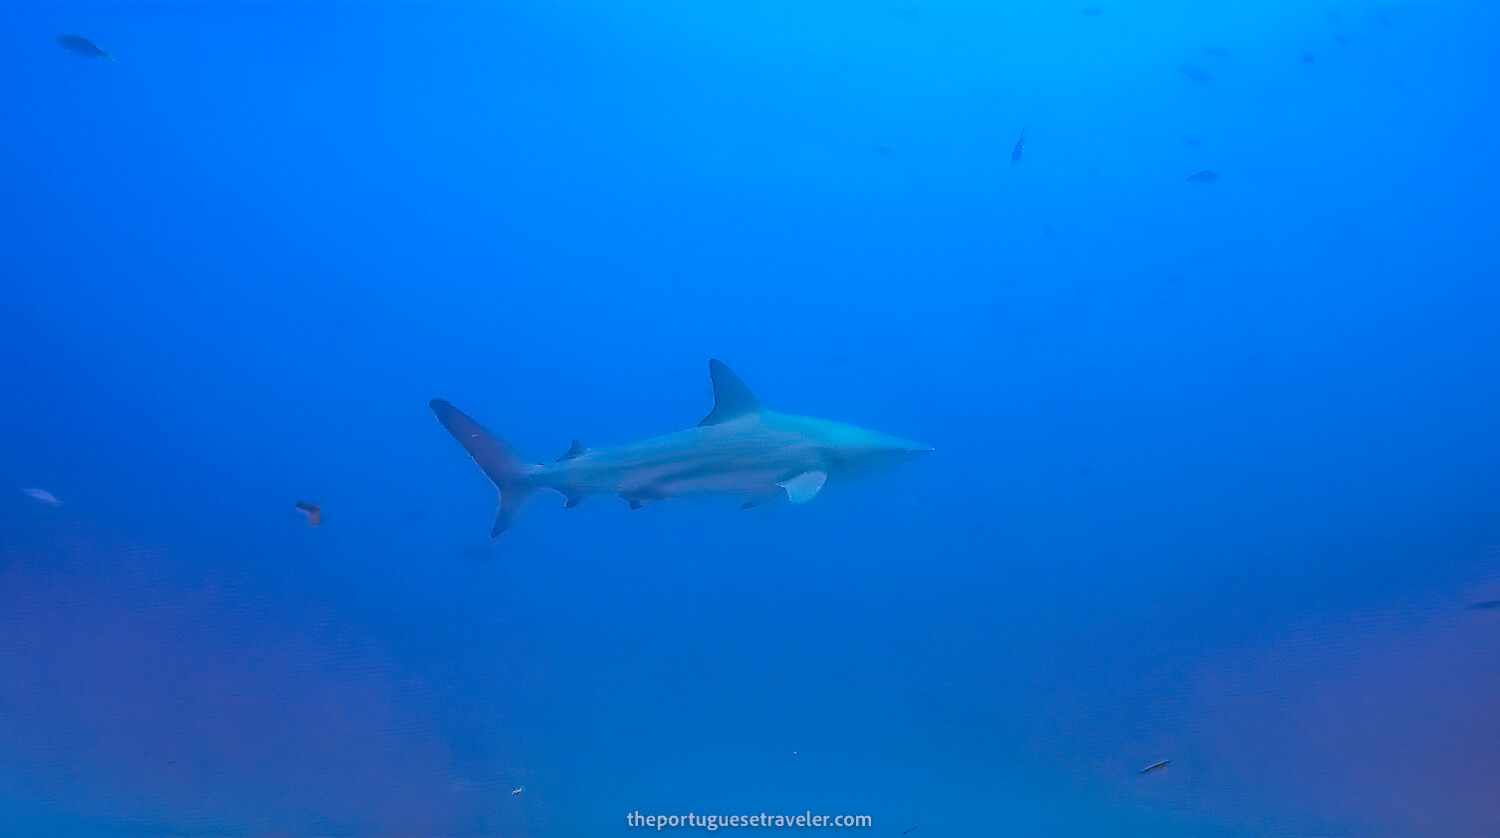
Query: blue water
{"points": [[1216, 477]]}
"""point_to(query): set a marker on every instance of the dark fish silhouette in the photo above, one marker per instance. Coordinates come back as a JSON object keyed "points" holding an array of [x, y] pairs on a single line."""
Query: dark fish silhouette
{"points": [[909, 830], [1205, 175], [881, 149], [82, 46], [1157, 767], [1487, 605], [1308, 58], [1015, 153], [1197, 74], [314, 513]]}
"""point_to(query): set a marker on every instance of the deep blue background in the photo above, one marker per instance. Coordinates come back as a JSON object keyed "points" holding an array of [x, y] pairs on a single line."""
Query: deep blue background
{"points": [[1217, 471]]}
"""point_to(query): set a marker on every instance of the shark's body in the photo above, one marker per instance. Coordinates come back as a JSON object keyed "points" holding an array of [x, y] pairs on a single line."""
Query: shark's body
{"points": [[740, 449]]}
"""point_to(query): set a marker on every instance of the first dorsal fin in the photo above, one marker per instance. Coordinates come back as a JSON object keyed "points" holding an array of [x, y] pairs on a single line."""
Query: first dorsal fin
{"points": [[732, 399], [573, 451]]}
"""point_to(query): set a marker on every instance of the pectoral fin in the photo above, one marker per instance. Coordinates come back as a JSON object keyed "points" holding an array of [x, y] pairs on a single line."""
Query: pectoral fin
{"points": [[803, 487]]}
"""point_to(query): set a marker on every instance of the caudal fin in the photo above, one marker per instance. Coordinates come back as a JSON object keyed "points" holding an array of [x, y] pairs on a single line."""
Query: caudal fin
{"points": [[497, 460]]}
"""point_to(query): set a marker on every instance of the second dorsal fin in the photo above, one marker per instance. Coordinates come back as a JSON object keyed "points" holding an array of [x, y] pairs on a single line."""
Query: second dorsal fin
{"points": [[732, 399], [573, 451]]}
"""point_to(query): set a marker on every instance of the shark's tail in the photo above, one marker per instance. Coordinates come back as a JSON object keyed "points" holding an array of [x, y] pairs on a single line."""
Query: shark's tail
{"points": [[515, 480]]}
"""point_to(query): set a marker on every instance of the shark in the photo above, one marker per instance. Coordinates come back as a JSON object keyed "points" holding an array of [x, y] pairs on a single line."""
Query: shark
{"points": [[741, 449]]}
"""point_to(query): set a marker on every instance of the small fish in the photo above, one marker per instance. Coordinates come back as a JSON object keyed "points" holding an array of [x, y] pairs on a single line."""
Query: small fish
{"points": [[1015, 153], [313, 511], [1308, 58], [882, 150], [42, 495], [913, 829], [82, 46], [1157, 767], [1204, 176], [517, 790], [1487, 605]]}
